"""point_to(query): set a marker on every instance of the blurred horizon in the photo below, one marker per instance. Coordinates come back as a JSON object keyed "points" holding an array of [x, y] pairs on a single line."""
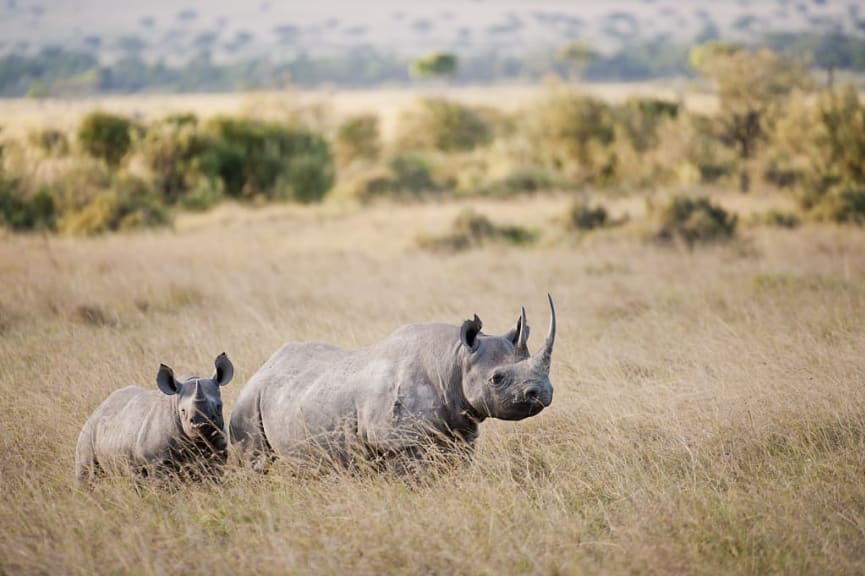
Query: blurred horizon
{"points": [[92, 47]]}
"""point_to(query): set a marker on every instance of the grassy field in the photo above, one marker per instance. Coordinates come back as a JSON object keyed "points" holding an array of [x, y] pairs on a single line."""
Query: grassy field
{"points": [[19, 116], [709, 414]]}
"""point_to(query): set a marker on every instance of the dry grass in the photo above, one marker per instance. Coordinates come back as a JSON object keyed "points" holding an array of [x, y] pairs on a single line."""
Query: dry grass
{"points": [[709, 413], [19, 116]]}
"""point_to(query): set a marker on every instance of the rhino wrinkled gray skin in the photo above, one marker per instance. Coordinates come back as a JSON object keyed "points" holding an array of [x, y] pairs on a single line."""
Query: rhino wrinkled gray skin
{"points": [[426, 384], [179, 428]]}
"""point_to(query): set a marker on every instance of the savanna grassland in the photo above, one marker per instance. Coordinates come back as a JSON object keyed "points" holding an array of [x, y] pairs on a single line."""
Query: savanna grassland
{"points": [[709, 410]]}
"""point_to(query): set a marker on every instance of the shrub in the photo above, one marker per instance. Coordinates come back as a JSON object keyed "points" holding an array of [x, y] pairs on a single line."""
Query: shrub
{"points": [[206, 192], [106, 136], [172, 149], [640, 119], [443, 125], [50, 141], [470, 230], [713, 160], [364, 183], [524, 179], [131, 203], [94, 218], [259, 158], [570, 133], [842, 138], [358, 138], [411, 173], [841, 203], [778, 219], [20, 213], [581, 216], [692, 221], [779, 172]]}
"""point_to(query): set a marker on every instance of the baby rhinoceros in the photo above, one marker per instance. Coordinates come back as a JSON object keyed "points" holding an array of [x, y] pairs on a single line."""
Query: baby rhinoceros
{"points": [[179, 430]]}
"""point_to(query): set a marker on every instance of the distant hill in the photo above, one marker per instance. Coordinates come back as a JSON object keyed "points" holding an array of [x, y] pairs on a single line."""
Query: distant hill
{"points": [[230, 30], [61, 47]]}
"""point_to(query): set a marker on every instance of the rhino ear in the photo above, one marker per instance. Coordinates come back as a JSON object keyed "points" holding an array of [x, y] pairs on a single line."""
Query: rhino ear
{"points": [[165, 380], [469, 333], [224, 370]]}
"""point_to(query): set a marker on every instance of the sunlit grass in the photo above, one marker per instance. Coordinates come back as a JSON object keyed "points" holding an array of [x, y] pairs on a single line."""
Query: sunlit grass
{"points": [[709, 410]]}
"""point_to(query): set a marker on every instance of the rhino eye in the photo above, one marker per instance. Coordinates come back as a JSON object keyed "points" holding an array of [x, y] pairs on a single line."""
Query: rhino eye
{"points": [[497, 379]]}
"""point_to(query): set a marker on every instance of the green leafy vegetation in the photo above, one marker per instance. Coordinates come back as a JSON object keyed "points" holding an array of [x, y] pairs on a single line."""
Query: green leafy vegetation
{"points": [[358, 138], [265, 159], [773, 131], [19, 213], [106, 136], [692, 221], [582, 216], [439, 124], [471, 229], [434, 64], [56, 71]]}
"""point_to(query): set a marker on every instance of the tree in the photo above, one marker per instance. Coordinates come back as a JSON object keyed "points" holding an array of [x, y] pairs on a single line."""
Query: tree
{"points": [[434, 64], [751, 85], [106, 136], [577, 55]]}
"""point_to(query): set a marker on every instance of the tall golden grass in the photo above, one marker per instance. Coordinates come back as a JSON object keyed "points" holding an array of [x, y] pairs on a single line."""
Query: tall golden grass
{"points": [[19, 116], [709, 414]]}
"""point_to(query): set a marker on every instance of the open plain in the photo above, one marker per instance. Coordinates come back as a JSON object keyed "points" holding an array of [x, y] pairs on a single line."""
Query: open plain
{"points": [[709, 410]]}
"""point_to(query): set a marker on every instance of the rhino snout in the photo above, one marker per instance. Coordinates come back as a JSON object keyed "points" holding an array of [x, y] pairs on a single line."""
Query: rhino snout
{"points": [[538, 394]]}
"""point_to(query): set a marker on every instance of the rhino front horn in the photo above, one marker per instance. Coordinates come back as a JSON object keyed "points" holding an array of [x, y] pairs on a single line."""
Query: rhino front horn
{"points": [[541, 362]]}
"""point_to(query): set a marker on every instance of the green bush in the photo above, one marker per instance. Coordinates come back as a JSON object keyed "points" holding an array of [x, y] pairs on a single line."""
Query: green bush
{"points": [[411, 173], [581, 216], [206, 192], [365, 183], [841, 203], [264, 159], [778, 219], [172, 149], [443, 125], [471, 230], [106, 136], [524, 179], [358, 138], [779, 172], [640, 118], [692, 221], [20, 213], [130, 203], [712, 158], [842, 138], [570, 133]]}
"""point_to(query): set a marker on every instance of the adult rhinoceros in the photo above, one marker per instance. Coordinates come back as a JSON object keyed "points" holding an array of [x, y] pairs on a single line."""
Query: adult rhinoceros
{"points": [[426, 384]]}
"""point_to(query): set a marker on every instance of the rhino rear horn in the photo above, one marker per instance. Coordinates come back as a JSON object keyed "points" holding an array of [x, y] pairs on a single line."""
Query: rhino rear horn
{"points": [[522, 348]]}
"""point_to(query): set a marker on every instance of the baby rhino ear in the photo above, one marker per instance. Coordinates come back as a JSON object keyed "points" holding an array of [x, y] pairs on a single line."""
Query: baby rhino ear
{"points": [[224, 370], [469, 333], [165, 380]]}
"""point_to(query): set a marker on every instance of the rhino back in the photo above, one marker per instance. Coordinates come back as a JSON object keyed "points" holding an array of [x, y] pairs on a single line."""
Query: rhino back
{"points": [[133, 425], [376, 395]]}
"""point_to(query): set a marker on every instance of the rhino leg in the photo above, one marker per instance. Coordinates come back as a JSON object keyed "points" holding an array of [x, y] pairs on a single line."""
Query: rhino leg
{"points": [[86, 466], [246, 433]]}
